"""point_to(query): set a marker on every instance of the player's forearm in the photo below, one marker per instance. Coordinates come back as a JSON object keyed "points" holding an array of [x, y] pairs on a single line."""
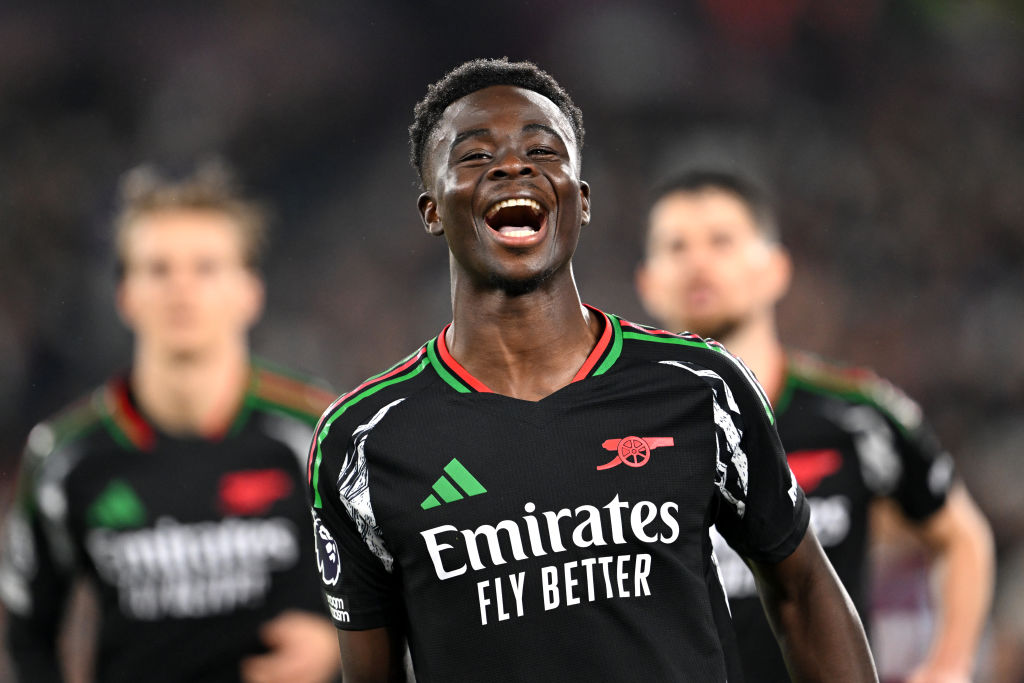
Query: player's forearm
{"points": [[824, 639], [818, 630], [965, 571], [372, 656]]}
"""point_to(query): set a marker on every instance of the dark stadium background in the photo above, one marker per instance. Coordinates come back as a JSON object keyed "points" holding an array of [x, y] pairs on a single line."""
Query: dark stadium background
{"points": [[892, 133]]}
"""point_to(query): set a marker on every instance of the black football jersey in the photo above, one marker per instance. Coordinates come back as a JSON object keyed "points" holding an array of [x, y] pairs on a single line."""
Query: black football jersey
{"points": [[562, 539], [190, 543], [850, 438]]}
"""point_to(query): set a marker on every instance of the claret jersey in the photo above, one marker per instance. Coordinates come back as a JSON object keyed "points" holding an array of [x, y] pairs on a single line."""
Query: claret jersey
{"points": [[850, 438], [191, 543], [562, 539]]}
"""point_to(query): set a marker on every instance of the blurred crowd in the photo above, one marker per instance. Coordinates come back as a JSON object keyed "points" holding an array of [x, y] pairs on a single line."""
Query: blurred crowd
{"points": [[891, 133]]}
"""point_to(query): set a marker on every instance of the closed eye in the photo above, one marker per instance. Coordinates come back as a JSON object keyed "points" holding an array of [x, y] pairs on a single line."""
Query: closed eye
{"points": [[474, 156]]}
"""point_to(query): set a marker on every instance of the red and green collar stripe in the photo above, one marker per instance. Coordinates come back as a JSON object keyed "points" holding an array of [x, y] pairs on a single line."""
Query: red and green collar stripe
{"points": [[644, 333], [124, 422], [449, 369], [281, 391], [600, 359], [266, 387], [406, 369]]}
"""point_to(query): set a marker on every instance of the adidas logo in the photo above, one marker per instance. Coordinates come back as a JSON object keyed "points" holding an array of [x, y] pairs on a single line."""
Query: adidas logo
{"points": [[448, 491], [118, 507]]}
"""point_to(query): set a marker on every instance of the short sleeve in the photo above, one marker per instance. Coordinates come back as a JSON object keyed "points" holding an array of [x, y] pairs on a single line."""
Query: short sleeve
{"points": [[916, 471], [762, 511], [35, 571], [355, 566]]}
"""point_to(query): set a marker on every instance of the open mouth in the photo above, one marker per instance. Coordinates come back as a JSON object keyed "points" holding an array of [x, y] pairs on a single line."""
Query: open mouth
{"points": [[518, 217]]}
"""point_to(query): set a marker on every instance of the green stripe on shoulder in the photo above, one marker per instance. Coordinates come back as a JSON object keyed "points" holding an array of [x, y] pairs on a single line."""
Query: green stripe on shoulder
{"points": [[296, 395], [660, 336], [399, 364], [298, 413], [816, 374], [856, 385], [651, 337], [325, 428]]}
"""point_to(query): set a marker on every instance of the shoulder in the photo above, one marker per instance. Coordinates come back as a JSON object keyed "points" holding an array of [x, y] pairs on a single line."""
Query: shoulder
{"points": [[71, 425], [276, 389], [57, 442], [852, 385], [649, 343], [361, 408], [703, 358], [378, 392]]}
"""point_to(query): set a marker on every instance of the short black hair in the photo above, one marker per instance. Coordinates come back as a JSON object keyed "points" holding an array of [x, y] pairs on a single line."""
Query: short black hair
{"points": [[476, 75], [751, 192]]}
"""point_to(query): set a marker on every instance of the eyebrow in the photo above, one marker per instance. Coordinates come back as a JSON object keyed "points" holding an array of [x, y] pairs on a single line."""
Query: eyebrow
{"points": [[540, 126], [528, 128], [466, 134]]}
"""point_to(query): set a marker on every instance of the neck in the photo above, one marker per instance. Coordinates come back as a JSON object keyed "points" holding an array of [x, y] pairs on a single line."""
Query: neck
{"points": [[757, 344], [526, 346], [196, 395]]}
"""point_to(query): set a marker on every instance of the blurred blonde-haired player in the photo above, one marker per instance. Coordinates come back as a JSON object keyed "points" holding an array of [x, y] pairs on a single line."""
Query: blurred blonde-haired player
{"points": [[175, 488]]}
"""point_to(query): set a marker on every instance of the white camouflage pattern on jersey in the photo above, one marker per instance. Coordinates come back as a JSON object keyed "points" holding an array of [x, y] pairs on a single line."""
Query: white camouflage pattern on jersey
{"points": [[354, 489]]}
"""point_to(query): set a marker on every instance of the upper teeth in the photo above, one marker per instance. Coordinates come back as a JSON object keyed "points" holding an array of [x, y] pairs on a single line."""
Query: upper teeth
{"points": [[519, 201]]}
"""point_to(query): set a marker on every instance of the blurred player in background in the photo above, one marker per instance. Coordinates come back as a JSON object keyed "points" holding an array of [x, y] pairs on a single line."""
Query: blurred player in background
{"points": [[527, 496], [175, 488], [713, 265]]}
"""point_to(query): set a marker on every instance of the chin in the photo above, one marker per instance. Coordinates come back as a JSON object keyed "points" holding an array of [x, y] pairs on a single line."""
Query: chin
{"points": [[184, 354], [518, 286], [184, 349], [716, 328]]}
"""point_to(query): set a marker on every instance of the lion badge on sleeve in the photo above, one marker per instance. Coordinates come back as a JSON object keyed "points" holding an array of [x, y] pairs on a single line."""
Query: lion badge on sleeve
{"points": [[327, 558]]}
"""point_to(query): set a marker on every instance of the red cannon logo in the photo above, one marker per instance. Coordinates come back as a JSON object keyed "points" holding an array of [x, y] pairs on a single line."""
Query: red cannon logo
{"points": [[633, 451]]}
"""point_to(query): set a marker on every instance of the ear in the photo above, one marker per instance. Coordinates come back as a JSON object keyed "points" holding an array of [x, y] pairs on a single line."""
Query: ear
{"points": [[256, 295], [122, 303], [429, 215], [780, 272], [585, 202], [640, 282], [647, 291]]}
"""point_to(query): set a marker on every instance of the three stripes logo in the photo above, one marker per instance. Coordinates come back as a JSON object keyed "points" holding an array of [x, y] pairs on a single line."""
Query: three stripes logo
{"points": [[449, 492]]}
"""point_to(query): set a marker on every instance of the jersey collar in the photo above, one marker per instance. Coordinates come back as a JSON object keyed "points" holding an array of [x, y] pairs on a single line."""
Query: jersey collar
{"points": [[130, 428], [123, 419], [600, 359]]}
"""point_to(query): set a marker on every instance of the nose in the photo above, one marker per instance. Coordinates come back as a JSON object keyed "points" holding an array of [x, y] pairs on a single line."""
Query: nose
{"points": [[511, 165], [698, 257], [179, 285], [181, 279]]}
